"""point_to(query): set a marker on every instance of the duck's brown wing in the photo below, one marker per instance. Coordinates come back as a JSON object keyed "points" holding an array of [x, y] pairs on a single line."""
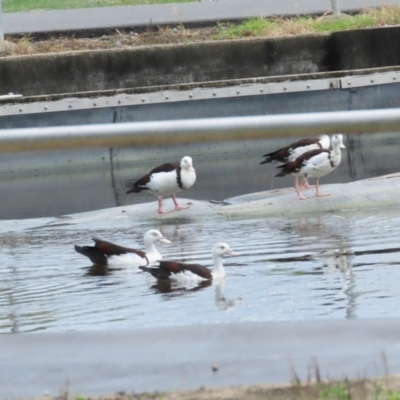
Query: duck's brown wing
{"points": [[111, 249], [295, 166], [283, 154], [165, 168], [166, 268], [176, 267], [141, 184]]}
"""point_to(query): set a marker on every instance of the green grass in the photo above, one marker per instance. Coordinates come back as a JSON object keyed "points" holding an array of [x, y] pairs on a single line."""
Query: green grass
{"points": [[255, 27], [29, 5], [275, 27], [340, 391], [250, 27], [346, 390], [335, 392], [387, 395]]}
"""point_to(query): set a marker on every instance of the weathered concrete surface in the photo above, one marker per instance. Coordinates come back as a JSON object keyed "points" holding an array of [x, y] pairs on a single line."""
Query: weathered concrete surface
{"points": [[361, 47], [7, 47], [189, 63], [161, 65], [158, 14], [145, 212], [360, 195], [375, 192], [139, 360]]}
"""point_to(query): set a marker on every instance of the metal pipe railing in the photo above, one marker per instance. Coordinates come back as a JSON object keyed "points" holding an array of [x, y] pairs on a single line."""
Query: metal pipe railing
{"points": [[336, 7], [1, 22], [199, 130]]}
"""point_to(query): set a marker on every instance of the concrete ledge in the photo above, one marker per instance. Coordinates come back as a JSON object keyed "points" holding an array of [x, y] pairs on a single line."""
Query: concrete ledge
{"points": [[360, 195], [88, 71], [382, 191]]}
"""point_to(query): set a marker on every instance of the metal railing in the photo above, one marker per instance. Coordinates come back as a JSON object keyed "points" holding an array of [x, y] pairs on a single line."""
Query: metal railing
{"points": [[1, 21], [199, 130], [336, 7]]}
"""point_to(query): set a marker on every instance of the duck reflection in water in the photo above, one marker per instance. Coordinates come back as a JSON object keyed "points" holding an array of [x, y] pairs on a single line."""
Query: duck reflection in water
{"points": [[170, 290], [221, 301], [102, 270], [98, 270], [341, 258]]}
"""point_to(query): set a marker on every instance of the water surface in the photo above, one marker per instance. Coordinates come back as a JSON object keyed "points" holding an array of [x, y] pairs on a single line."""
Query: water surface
{"points": [[324, 267]]}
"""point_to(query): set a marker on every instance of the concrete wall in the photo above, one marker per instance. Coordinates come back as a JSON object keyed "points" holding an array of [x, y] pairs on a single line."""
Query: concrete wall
{"points": [[162, 65]]}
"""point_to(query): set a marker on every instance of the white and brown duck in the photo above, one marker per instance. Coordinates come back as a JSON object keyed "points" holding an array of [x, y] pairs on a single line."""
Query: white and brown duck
{"points": [[196, 273], [314, 164], [107, 253], [168, 180], [296, 149]]}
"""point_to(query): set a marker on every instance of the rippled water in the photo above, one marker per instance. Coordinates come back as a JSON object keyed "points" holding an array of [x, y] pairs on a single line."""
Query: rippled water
{"points": [[329, 266]]}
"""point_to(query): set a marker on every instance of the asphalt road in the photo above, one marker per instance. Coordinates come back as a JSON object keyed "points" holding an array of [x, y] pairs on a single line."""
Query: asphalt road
{"points": [[186, 13]]}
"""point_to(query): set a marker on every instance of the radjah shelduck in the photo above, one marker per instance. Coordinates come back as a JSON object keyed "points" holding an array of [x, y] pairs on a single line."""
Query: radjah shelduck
{"points": [[168, 180], [296, 149], [107, 253], [314, 164], [196, 273]]}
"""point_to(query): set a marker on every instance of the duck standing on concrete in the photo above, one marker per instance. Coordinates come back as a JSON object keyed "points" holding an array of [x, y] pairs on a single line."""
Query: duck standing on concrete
{"points": [[296, 149], [167, 180], [107, 253], [314, 164], [192, 273]]}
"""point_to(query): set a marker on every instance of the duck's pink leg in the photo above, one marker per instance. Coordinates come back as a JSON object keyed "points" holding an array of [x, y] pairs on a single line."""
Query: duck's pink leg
{"points": [[299, 188], [306, 185], [304, 182], [317, 192], [160, 209], [177, 206]]}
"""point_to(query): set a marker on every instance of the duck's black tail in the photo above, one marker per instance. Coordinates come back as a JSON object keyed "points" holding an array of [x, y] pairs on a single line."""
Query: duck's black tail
{"points": [[94, 255], [284, 170], [267, 160], [134, 190]]}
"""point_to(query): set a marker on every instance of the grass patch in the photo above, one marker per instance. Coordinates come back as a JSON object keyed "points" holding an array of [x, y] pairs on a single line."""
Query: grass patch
{"points": [[275, 27], [362, 389], [30, 5], [166, 35], [335, 392]]}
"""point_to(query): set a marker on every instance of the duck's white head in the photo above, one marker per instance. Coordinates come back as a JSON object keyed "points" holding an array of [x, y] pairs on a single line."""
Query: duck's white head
{"points": [[325, 141], [222, 249], [154, 236], [337, 140], [187, 163]]}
